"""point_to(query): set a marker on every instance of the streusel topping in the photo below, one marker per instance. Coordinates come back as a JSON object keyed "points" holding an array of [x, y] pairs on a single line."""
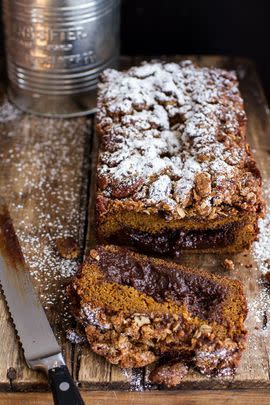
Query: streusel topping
{"points": [[173, 136]]}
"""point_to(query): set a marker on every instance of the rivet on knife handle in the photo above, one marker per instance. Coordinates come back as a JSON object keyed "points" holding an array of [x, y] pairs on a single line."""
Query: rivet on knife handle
{"points": [[63, 387]]}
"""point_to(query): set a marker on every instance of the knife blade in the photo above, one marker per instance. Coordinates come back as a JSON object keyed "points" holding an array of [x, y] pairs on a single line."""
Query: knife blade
{"points": [[40, 346]]}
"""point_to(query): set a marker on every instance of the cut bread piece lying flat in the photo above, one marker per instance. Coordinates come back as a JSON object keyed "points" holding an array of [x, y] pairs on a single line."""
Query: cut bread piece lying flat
{"points": [[136, 310]]}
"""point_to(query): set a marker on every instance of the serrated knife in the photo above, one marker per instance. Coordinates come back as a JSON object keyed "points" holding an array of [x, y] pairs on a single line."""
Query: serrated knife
{"points": [[41, 349]]}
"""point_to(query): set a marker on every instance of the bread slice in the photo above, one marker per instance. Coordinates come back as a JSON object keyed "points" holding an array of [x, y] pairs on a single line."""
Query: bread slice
{"points": [[136, 310]]}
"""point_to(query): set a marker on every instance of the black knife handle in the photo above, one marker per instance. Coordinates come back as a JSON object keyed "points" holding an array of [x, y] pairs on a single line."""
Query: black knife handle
{"points": [[64, 390]]}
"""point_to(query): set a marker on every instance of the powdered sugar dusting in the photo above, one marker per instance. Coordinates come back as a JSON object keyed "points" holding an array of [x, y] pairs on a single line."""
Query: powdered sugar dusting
{"points": [[8, 112], [73, 336], [160, 189], [215, 358], [172, 121], [259, 305], [92, 317], [134, 378], [41, 175], [261, 248]]}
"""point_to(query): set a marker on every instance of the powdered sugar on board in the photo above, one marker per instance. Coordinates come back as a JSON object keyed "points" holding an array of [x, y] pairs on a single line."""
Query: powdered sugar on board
{"points": [[134, 378], [261, 248], [43, 175], [259, 306], [8, 112]]}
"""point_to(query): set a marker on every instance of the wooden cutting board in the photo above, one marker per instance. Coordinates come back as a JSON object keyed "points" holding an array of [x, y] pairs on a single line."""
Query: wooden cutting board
{"points": [[45, 174]]}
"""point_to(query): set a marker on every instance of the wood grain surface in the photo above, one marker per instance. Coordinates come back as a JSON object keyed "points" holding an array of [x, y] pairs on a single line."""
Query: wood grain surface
{"points": [[45, 174], [186, 397]]}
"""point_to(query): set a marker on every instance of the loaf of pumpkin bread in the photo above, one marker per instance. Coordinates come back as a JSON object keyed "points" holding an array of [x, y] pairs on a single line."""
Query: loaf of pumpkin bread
{"points": [[175, 172]]}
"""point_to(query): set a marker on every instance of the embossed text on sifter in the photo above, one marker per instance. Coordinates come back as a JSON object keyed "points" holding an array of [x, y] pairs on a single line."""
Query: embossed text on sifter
{"points": [[56, 50]]}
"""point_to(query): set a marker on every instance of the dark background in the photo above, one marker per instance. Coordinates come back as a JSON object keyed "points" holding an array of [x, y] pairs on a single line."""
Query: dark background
{"points": [[228, 27], [152, 27]]}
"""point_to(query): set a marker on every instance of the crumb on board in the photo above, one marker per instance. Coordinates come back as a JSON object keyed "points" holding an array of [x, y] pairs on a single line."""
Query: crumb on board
{"points": [[11, 373], [94, 254], [68, 248], [169, 374], [228, 264]]}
